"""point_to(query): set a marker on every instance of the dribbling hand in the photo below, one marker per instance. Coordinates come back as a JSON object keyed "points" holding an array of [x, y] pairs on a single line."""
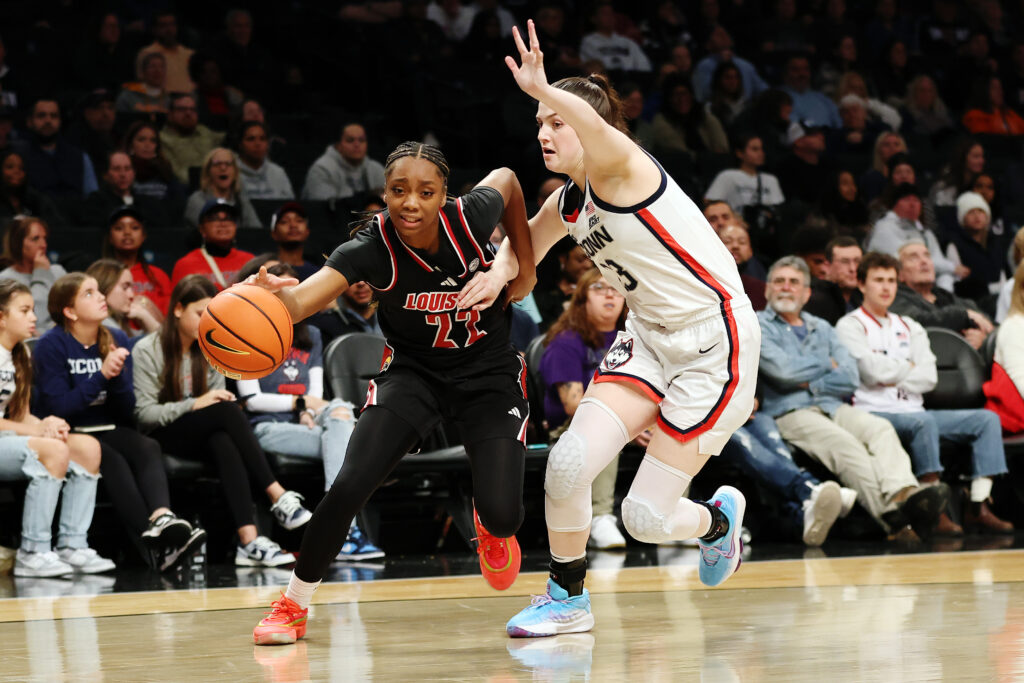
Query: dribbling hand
{"points": [[272, 283], [530, 76]]}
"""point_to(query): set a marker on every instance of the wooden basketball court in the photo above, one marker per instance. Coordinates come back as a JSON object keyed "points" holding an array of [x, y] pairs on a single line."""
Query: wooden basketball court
{"points": [[922, 617]]}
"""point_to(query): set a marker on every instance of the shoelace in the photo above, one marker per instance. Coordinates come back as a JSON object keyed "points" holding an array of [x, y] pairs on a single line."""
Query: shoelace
{"points": [[489, 550], [541, 600], [290, 501], [277, 606]]}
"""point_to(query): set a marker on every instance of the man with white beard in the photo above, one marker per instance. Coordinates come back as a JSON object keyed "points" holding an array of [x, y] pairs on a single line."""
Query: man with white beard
{"points": [[808, 375]]}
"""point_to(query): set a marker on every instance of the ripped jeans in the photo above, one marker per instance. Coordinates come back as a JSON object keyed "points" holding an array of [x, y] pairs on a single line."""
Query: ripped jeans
{"points": [[758, 450], [19, 461], [326, 441]]}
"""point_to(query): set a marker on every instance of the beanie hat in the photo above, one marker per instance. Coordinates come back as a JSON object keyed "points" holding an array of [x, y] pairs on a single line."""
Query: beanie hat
{"points": [[968, 201]]}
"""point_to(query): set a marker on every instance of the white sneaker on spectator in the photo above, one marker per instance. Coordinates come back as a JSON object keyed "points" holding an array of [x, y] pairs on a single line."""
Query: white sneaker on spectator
{"points": [[262, 552], [168, 530], [289, 512], [821, 511], [40, 565], [849, 499], [85, 560], [605, 534]]}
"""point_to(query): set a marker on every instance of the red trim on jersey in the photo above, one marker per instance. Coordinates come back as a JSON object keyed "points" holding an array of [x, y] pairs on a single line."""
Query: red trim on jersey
{"points": [[639, 383], [571, 218], [873, 318], [465, 226], [451, 238], [522, 375], [423, 264], [904, 323], [647, 217], [371, 395], [391, 252]]}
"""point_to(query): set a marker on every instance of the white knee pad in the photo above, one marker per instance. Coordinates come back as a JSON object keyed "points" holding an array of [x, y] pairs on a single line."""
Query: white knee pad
{"points": [[593, 439], [642, 521]]}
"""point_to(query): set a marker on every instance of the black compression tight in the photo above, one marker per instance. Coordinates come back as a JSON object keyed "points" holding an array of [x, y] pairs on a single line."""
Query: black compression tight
{"points": [[133, 473], [380, 440]]}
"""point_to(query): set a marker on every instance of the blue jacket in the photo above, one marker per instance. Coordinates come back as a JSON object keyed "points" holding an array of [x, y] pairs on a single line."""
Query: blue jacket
{"points": [[787, 362], [71, 385]]}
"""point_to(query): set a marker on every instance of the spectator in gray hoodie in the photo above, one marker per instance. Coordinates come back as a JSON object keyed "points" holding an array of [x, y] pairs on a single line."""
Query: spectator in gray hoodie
{"points": [[344, 169], [261, 177]]}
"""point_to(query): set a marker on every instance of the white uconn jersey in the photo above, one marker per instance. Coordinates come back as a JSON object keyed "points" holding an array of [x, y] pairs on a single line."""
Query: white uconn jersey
{"points": [[662, 253]]}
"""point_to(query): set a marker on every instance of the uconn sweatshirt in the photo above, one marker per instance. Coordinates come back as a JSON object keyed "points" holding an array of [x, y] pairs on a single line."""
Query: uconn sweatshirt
{"points": [[71, 385]]}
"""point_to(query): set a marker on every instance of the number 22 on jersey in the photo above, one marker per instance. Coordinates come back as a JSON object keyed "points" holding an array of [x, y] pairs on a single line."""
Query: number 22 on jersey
{"points": [[444, 327]]}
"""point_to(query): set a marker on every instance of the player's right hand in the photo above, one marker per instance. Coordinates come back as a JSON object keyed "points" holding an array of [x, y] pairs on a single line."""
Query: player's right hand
{"points": [[482, 291], [529, 75], [272, 283]]}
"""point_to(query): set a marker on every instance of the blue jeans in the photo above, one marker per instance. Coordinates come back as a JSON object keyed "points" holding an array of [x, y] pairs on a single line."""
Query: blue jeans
{"points": [[19, 461], [327, 441], [978, 427], [758, 450]]}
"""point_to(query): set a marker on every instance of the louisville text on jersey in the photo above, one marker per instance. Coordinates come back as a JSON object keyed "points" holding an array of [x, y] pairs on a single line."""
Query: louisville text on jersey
{"points": [[431, 302]]}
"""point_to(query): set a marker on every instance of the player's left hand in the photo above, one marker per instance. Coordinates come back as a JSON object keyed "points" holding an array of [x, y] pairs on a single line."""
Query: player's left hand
{"points": [[272, 283], [482, 291]]}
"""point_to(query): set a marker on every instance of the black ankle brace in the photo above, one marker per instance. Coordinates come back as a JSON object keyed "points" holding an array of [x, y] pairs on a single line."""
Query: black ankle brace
{"points": [[719, 524], [569, 575]]}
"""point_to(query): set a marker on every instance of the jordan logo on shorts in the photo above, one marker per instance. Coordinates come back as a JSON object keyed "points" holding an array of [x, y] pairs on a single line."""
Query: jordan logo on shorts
{"points": [[618, 354]]}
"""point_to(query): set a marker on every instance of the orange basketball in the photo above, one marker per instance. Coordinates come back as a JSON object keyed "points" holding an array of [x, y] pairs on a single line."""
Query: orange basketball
{"points": [[245, 332]]}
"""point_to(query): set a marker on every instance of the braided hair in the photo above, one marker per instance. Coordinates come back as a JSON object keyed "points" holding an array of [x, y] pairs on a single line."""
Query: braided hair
{"points": [[415, 150]]}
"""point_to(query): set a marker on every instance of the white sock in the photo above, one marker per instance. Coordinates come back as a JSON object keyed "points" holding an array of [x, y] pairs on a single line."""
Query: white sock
{"points": [[981, 489], [566, 560], [300, 592]]}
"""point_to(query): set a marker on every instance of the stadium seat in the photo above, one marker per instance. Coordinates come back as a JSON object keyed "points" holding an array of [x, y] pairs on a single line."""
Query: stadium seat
{"points": [[961, 372]]}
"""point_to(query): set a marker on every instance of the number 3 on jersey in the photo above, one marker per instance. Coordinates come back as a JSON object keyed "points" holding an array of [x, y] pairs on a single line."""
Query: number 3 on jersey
{"points": [[629, 283], [444, 327]]}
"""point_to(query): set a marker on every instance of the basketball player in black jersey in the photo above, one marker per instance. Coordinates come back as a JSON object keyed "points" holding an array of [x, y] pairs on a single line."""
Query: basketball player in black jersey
{"points": [[440, 361]]}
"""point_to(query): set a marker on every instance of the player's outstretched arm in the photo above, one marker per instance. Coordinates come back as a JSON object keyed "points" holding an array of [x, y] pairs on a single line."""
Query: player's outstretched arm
{"points": [[607, 151], [517, 228], [302, 299]]}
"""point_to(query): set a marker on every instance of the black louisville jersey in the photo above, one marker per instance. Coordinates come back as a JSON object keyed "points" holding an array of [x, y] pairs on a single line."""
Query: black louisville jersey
{"points": [[416, 291]]}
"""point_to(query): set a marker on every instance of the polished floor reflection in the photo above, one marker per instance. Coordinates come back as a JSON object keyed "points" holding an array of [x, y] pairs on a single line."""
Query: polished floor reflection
{"points": [[955, 616]]}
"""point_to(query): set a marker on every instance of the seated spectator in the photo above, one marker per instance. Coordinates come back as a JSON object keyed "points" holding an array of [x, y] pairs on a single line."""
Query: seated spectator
{"points": [[176, 55], [805, 171], [720, 214], [25, 250], [182, 403], [808, 375], [186, 142], [632, 96], [901, 223], [615, 51], [857, 134], [784, 32], [664, 29], [737, 240], [133, 315], [215, 100], [727, 100], [126, 233], [217, 260], [985, 185], [917, 297], [54, 166], [148, 96], [887, 145], [841, 60], [892, 75], [1006, 293], [720, 49], [117, 189], [454, 18], [344, 169], [573, 348], [562, 54], [104, 58], [809, 506], [573, 262], [968, 160], [289, 415], [84, 374], [843, 208], [261, 177], [896, 366], [982, 253], [810, 107], [837, 293], [1005, 391], [925, 114], [682, 125], [354, 311], [988, 113], [810, 243], [289, 228], [754, 195], [18, 197], [220, 180], [880, 114], [769, 117], [245, 63], [93, 130], [47, 454], [154, 177]]}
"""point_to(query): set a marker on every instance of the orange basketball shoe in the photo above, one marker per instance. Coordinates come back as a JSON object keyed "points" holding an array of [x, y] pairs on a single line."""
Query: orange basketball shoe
{"points": [[284, 624], [499, 557]]}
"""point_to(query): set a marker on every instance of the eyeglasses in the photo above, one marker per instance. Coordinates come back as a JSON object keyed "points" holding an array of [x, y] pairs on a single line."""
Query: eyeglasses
{"points": [[602, 288], [222, 163]]}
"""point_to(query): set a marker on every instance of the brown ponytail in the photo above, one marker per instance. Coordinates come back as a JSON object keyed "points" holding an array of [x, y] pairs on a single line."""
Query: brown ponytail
{"points": [[62, 295], [18, 406], [596, 91], [190, 289]]}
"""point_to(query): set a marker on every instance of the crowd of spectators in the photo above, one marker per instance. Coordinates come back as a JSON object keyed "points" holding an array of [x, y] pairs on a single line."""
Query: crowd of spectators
{"points": [[819, 131]]}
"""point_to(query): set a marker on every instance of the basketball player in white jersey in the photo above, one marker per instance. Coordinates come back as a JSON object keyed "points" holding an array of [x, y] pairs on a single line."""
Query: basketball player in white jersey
{"points": [[686, 361]]}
